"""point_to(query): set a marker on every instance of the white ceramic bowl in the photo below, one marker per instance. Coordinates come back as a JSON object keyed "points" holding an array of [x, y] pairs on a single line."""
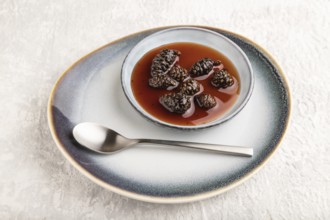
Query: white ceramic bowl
{"points": [[193, 35]]}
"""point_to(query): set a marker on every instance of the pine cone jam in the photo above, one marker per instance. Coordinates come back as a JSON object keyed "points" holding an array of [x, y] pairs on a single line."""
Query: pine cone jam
{"points": [[164, 87]]}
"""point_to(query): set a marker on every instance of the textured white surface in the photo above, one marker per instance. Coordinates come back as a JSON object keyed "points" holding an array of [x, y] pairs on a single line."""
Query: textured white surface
{"points": [[39, 40]]}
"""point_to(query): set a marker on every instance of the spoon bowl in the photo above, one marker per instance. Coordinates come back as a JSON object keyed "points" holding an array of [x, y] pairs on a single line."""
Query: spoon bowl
{"points": [[107, 141], [100, 139]]}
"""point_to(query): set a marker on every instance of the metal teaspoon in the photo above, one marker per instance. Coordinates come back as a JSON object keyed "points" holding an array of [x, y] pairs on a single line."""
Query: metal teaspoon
{"points": [[106, 141]]}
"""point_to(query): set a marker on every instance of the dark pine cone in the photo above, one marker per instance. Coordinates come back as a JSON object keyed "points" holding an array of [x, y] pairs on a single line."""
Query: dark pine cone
{"points": [[178, 73], [203, 67], [162, 82], [163, 61], [190, 87], [175, 102], [222, 79], [205, 101]]}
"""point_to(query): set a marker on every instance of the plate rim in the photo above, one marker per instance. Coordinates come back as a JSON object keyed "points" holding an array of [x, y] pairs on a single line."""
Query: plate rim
{"points": [[179, 199]]}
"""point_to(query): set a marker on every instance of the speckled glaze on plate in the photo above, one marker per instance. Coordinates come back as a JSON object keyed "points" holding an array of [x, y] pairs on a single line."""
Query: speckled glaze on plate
{"points": [[90, 91]]}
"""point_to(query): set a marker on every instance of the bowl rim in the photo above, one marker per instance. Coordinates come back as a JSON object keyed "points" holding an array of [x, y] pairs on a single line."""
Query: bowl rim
{"points": [[213, 123]]}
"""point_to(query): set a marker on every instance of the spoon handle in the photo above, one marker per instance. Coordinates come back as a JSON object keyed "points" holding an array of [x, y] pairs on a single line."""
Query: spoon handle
{"points": [[223, 149]]}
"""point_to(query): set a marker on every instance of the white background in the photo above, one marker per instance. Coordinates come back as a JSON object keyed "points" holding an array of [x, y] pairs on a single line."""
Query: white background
{"points": [[39, 40]]}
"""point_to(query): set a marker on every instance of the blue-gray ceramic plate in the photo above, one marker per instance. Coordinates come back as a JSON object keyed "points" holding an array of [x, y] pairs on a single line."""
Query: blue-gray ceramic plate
{"points": [[90, 91]]}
